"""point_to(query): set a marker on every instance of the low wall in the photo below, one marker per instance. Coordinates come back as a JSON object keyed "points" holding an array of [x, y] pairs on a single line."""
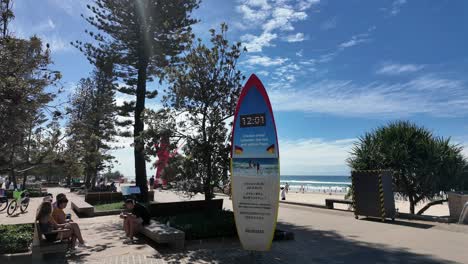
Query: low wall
{"points": [[175, 208], [109, 197], [456, 201], [103, 197]]}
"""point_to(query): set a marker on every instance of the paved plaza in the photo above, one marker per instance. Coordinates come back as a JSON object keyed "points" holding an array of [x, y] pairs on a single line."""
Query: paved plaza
{"points": [[321, 236]]}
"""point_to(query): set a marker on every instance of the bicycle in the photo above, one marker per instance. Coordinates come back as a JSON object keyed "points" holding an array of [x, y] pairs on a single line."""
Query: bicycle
{"points": [[19, 197]]}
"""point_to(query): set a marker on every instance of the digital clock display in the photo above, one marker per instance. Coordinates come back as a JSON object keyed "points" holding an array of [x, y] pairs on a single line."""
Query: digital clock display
{"points": [[252, 120]]}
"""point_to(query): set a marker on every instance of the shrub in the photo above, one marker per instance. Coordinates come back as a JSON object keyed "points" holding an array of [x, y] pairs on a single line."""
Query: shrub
{"points": [[203, 225], [15, 238]]}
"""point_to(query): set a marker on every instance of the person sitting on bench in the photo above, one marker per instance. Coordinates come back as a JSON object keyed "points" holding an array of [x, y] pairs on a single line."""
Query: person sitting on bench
{"points": [[60, 217], [133, 221], [49, 228]]}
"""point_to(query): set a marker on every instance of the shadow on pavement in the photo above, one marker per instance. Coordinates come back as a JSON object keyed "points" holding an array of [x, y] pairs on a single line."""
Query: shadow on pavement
{"points": [[398, 222], [309, 246]]}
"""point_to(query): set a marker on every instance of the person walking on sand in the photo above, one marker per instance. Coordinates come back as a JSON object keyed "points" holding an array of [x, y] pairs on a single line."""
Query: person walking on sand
{"points": [[286, 187], [258, 167], [283, 193]]}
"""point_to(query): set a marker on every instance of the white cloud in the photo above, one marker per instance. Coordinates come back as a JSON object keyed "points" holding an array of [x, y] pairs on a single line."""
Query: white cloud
{"points": [[252, 15], [282, 19], [353, 42], [298, 37], [314, 156], [306, 4], [396, 68], [300, 53], [257, 43], [427, 94], [46, 25], [357, 39], [396, 7], [263, 4], [264, 61], [272, 18]]}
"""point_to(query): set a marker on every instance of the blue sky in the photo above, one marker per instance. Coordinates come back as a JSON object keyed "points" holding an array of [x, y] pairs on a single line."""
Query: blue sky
{"points": [[333, 69]]}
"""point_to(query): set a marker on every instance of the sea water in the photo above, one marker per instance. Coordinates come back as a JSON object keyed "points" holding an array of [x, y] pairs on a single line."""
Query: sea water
{"points": [[321, 184]]}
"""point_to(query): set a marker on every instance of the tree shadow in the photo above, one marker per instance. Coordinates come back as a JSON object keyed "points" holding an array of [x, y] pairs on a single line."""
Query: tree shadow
{"points": [[309, 246]]}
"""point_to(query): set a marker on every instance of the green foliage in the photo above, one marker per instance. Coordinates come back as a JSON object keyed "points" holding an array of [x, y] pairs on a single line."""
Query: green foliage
{"points": [[15, 238], [109, 206], [423, 164], [203, 225], [203, 90], [92, 124], [28, 138], [113, 175]]}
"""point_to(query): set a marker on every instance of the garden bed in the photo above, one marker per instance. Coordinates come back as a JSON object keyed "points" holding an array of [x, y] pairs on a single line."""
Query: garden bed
{"points": [[15, 238], [218, 223]]}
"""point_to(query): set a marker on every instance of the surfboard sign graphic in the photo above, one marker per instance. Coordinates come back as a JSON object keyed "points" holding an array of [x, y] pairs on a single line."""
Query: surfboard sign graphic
{"points": [[255, 172]]}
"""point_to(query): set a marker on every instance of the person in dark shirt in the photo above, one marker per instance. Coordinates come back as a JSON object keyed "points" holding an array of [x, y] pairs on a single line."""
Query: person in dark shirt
{"points": [[133, 221]]}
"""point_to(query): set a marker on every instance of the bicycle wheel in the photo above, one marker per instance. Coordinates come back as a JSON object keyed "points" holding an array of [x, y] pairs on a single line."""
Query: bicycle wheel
{"points": [[24, 205], [3, 203], [12, 207]]}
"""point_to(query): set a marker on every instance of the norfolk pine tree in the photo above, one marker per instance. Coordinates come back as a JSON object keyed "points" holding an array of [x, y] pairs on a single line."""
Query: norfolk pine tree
{"points": [[143, 36]]}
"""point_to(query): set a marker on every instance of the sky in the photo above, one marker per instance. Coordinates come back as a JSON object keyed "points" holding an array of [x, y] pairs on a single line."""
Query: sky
{"points": [[334, 70]]}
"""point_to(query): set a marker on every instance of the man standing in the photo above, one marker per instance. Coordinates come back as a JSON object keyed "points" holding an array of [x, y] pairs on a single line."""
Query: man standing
{"points": [[151, 183]]}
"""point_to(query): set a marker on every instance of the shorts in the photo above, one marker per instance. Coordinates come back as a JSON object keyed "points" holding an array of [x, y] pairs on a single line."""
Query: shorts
{"points": [[51, 237]]}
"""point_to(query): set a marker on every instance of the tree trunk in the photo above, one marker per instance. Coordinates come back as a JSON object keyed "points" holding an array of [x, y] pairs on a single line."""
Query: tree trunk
{"points": [[207, 188], [25, 178], [138, 150], [411, 201], [420, 212], [13, 178]]}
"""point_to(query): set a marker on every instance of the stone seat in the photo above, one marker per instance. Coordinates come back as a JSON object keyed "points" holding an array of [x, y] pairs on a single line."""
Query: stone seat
{"points": [[161, 233], [82, 208]]}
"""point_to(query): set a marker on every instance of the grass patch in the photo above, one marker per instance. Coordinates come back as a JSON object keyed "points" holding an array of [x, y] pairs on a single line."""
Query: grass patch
{"points": [[203, 225], [109, 206], [15, 238]]}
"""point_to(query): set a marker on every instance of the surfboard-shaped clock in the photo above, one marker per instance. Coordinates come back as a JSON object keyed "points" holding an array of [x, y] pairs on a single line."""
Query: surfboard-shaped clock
{"points": [[255, 172]]}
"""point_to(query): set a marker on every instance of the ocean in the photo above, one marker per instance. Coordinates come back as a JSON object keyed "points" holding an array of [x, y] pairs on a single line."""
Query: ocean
{"points": [[313, 183], [317, 183]]}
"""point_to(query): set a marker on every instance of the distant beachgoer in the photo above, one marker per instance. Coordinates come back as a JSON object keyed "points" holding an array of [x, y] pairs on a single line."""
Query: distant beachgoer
{"points": [[258, 167], [283, 194], [151, 183], [112, 187], [286, 187]]}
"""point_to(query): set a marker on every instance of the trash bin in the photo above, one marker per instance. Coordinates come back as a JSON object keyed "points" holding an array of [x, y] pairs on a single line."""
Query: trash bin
{"points": [[373, 194]]}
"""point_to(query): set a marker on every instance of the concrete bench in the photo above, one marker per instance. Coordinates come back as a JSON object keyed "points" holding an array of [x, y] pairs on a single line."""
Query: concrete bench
{"points": [[329, 202], [41, 246], [161, 233], [82, 208]]}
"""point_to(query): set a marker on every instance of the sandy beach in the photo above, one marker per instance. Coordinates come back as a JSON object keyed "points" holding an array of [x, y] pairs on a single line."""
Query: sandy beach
{"points": [[402, 206]]}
